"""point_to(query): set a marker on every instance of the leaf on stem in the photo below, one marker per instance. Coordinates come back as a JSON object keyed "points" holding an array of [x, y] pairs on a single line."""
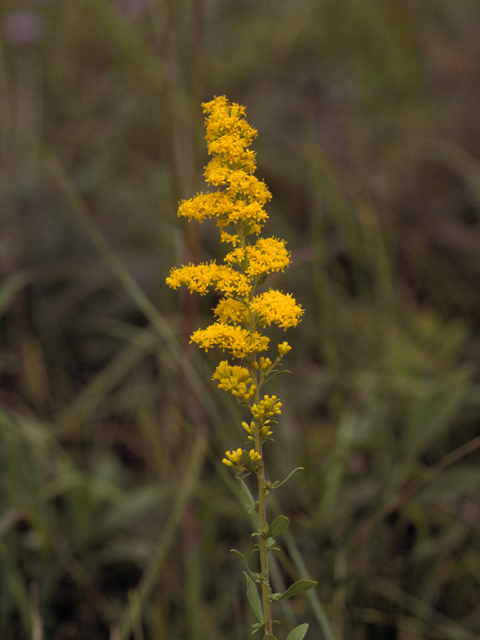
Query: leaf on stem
{"points": [[247, 497], [254, 598], [297, 587], [274, 374], [245, 563], [278, 526], [268, 636], [277, 484], [298, 633]]}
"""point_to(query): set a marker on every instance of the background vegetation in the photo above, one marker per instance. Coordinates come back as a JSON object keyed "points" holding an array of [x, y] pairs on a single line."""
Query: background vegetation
{"points": [[116, 517]]}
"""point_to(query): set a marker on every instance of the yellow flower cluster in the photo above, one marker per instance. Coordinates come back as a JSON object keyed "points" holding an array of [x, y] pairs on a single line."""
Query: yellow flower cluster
{"points": [[265, 431], [268, 407], [241, 201], [263, 364], [239, 341], [235, 380], [264, 413], [238, 209], [230, 310], [200, 277], [279, 308], [266, 256], [234, 458]]}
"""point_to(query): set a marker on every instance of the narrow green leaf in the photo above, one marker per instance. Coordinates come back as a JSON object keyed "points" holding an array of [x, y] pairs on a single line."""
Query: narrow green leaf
{"points": [[268, 636], [298, 633], [254, 598], [279, 525], [279, 484], [247, 497], [298, 587], [245, 563], [274, 375]]}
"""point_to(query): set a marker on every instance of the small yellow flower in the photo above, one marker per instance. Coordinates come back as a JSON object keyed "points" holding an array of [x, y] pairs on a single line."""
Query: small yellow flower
{"points": [[233, 458], [266, 408], [254, 455], [284, 348], [249, 428], [264, 363], [232, 238]]}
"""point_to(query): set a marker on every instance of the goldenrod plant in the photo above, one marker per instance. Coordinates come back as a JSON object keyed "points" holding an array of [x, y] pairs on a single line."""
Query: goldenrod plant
{"points": [[243, 311]]}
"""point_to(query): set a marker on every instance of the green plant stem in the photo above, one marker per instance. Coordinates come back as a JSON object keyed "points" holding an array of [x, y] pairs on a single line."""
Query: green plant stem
{"points": [[262, 519]]}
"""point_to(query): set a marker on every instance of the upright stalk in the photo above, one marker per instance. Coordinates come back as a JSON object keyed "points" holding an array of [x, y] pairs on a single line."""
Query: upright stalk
{"points": [[241, 314], [262, 521]]}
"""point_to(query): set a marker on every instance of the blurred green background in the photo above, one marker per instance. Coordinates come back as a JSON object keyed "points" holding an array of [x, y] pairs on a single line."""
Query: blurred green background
{"points": [[116, 515]]}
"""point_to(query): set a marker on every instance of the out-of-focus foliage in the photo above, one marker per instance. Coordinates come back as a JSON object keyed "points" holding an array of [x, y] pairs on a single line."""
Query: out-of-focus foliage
{"points": [[116, 518]]}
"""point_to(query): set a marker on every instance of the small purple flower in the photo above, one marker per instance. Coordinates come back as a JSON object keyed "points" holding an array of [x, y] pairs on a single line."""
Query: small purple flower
{"points": [[23, 27]]}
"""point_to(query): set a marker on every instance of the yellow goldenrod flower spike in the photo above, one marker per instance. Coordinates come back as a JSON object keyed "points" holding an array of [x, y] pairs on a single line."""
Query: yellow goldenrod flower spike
{"points": [[232, 166], [237, 208], [242, 311]]}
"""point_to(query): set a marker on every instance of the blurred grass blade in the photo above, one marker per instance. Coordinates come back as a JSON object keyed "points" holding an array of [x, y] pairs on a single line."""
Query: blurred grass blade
{"points": [[129, 284], [322, 619], [153, 571], [10, 288], [432, 413]]}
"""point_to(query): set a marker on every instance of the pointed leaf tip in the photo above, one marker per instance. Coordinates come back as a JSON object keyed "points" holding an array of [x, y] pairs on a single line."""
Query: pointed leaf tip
{"points": [[245, 563], [298, 587], [299, 632]]}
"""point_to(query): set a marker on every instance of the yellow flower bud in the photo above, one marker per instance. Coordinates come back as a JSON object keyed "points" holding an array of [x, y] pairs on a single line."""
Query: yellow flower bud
{"points": [[284, 348], [254, 455], [233, 458]]}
